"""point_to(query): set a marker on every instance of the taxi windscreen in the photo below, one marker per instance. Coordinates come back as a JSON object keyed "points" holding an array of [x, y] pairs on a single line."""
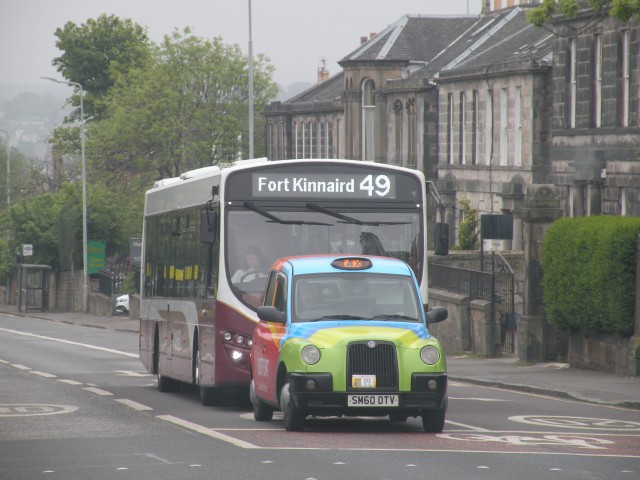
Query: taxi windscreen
{"points": [[355, 296]]}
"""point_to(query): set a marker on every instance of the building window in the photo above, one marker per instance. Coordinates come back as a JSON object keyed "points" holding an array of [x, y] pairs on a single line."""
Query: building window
{"points": [[504, 123], [597, 76], [625, 78], [270, 136], [488, 133], [299, 140], [398, 110], [463, 129], [368, 120], [450, 129], [573, 81], [412, 133], [474, 128], [517, 120], [338, 139]]}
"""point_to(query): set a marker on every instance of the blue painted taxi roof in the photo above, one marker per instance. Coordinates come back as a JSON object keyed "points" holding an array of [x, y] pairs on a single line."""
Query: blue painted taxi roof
{"points": [[305, 265]]}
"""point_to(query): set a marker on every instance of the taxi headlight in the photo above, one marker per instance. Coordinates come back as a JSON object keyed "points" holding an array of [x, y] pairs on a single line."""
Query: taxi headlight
{"points": [[430, 355], [310, 355]]}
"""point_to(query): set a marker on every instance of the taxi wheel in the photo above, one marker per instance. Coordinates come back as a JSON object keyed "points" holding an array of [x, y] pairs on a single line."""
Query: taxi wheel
{"points": [[293, 416], [261, 411], [433, 420]]}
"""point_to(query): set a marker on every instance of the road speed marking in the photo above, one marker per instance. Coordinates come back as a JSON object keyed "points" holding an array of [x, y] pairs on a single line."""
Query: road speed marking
{"points": [[34, 409], [584, 423]]}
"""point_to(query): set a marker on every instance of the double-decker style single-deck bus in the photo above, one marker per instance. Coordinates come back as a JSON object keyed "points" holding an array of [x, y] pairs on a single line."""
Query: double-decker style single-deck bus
{"points": [[210, 236]]}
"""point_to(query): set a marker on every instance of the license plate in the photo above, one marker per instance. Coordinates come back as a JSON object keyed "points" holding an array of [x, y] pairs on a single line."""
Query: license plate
{"points": [[363, 381], [373, 400]]}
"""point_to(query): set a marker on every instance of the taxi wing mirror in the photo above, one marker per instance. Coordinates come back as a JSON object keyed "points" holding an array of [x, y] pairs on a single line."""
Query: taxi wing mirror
{"points": [[271, 314], [437, 314]]}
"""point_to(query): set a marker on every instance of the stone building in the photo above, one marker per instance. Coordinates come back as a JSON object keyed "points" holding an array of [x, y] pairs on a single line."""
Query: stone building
{"points": [[465, 99], [595, 118]]}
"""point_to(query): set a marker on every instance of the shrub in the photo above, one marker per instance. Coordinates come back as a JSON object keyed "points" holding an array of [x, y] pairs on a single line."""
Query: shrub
{"points": [[589, 274]]}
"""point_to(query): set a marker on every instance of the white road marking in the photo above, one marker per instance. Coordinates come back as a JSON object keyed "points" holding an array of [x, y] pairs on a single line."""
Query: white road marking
{"points": [[469, 427], [31, 410], [97, 391], [132, 404], [206, 431], [479, 399], [20, 367], [128, 373], [69, 342], [584, 423], [69, 382], [43, 374]]}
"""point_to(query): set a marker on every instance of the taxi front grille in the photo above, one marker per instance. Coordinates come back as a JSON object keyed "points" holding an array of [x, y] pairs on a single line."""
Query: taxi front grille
{"points": [[377, 359]]}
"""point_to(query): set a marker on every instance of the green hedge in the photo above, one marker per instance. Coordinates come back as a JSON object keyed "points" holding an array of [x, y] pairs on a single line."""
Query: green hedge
{"points": [[589, 274]]}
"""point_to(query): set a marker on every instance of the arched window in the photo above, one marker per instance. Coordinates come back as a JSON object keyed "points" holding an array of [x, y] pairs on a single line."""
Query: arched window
{"points": [[368, 120]]}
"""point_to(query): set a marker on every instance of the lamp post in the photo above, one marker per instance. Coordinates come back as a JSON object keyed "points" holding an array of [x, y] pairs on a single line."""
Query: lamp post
{"points": [[85, 274], [8, 169], [250, 86]]}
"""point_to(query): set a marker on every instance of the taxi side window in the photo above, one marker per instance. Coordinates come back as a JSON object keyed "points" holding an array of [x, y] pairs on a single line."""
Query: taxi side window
{"points": [[271, 285], [280, 294]]}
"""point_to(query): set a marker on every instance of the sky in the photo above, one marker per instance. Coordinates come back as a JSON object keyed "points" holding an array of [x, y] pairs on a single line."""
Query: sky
{"points": [[297, 35]]}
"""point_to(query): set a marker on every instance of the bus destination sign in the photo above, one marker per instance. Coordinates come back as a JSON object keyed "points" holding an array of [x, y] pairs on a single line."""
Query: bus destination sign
{"points": [[328, 186]]}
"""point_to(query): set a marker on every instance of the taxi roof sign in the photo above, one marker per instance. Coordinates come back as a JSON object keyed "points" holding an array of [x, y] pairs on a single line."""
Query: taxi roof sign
{"points": [[352, 263]]}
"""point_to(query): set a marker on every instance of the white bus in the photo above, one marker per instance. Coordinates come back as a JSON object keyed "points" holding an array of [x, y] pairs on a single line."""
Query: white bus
{"points": [[210, 236]]}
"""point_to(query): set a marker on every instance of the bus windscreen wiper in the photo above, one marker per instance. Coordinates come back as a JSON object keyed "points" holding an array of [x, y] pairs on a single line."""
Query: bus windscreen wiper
{"points": [[270, 216], [348, 219]]}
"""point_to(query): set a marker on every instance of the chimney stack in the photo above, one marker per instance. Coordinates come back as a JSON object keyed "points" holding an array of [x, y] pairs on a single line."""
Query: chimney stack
{"points": [[323, 73]]}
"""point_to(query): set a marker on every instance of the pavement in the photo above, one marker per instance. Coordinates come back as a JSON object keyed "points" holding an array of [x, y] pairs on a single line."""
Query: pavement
{"points": [[549, 378]]}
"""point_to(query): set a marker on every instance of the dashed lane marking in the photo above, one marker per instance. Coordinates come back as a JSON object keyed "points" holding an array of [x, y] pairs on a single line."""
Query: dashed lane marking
{"points": [[135, 405], [97, 391]]}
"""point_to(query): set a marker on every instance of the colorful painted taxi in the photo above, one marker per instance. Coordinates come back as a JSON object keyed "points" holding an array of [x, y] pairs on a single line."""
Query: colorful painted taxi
{"points": [[346, 336]]}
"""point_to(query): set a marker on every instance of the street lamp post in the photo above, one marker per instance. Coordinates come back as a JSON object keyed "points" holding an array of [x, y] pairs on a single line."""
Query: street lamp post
{"points": [[8, 169], [85, 274], [250, 86]]}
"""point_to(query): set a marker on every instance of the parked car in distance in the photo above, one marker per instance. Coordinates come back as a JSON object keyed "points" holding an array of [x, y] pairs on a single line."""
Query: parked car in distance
{"points": [[122, 303], [346, 336]]}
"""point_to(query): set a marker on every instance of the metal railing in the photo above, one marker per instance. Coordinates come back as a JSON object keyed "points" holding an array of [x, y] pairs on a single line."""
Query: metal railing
{"points": [[111, 279], [492, 286]]}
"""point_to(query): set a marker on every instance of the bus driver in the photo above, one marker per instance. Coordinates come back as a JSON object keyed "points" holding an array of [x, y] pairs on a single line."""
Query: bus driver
{"points": [[255, 266]]}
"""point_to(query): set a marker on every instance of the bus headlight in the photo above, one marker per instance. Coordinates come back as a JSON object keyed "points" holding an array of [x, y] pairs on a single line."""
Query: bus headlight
{"points": [[310, 355], [430, 355], [236, 356]]}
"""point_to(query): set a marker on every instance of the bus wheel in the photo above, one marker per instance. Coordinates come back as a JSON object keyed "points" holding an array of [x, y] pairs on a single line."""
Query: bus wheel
{"points": [[166, 384], [209, 396], [261, 411], [293, 416]]}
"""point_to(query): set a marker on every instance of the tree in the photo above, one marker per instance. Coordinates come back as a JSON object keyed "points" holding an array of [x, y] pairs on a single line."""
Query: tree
{"points": [[468, 227], [187, 109], [96, 53], [620, 9]]}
